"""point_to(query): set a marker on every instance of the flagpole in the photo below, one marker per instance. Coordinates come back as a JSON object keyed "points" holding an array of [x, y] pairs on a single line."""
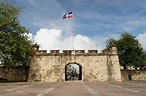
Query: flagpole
{"points": [[73, 42], [69, 15]]}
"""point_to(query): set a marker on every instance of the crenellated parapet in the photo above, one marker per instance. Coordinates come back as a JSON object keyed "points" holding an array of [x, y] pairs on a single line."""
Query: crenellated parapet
{"points": [[35, 47]]}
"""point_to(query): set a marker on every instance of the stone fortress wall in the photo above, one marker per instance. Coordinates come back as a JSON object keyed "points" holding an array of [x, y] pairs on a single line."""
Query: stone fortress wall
{"points": [[50, 67]]}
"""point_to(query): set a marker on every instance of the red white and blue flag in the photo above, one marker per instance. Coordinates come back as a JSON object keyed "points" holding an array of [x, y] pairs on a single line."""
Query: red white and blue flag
{"points": [[69, 15]]}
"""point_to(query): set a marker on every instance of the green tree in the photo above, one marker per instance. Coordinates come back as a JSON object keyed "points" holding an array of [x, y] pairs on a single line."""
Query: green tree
{"points": [[129, 50], [15, 48]]}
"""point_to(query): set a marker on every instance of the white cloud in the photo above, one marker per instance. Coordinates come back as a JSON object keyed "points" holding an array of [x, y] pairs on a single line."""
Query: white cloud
{"points": [[52, 39], [48, 39], [84, 42], [142, 39]]}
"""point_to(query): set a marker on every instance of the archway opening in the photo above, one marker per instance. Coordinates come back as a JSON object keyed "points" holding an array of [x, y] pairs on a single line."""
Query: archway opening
{"points": [[73, 72]]}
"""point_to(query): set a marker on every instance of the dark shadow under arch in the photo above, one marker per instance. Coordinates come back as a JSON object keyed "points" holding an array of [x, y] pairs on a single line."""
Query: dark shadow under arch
{"points": [[73, 72]]}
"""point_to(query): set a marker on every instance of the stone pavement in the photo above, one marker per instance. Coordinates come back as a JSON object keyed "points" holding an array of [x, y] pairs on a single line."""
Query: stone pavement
{"points": [[74, 88]]}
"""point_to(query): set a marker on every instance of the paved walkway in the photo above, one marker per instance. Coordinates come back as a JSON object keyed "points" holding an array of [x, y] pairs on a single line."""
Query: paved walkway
{"points": [[77, 88]]}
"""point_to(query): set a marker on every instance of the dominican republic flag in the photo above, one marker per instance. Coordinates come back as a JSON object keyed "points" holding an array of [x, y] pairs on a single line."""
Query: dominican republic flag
{"points": [[69, 15]]}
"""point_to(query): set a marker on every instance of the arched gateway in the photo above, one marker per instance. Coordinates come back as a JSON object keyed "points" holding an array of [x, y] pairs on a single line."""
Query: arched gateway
{"points": [[92, 66], [73, 72]]}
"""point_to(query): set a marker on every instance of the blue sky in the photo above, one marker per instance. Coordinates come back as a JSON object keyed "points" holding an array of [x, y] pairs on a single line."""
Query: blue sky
{"points": [[93, 21]]}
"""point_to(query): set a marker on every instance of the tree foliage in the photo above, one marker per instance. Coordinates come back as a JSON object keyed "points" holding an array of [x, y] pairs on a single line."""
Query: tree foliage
{"points": [[129, 50], [15, 48]]}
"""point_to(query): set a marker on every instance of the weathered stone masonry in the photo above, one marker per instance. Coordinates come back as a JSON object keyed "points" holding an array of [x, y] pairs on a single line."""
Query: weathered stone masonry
{"points": [[50, 67]]}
